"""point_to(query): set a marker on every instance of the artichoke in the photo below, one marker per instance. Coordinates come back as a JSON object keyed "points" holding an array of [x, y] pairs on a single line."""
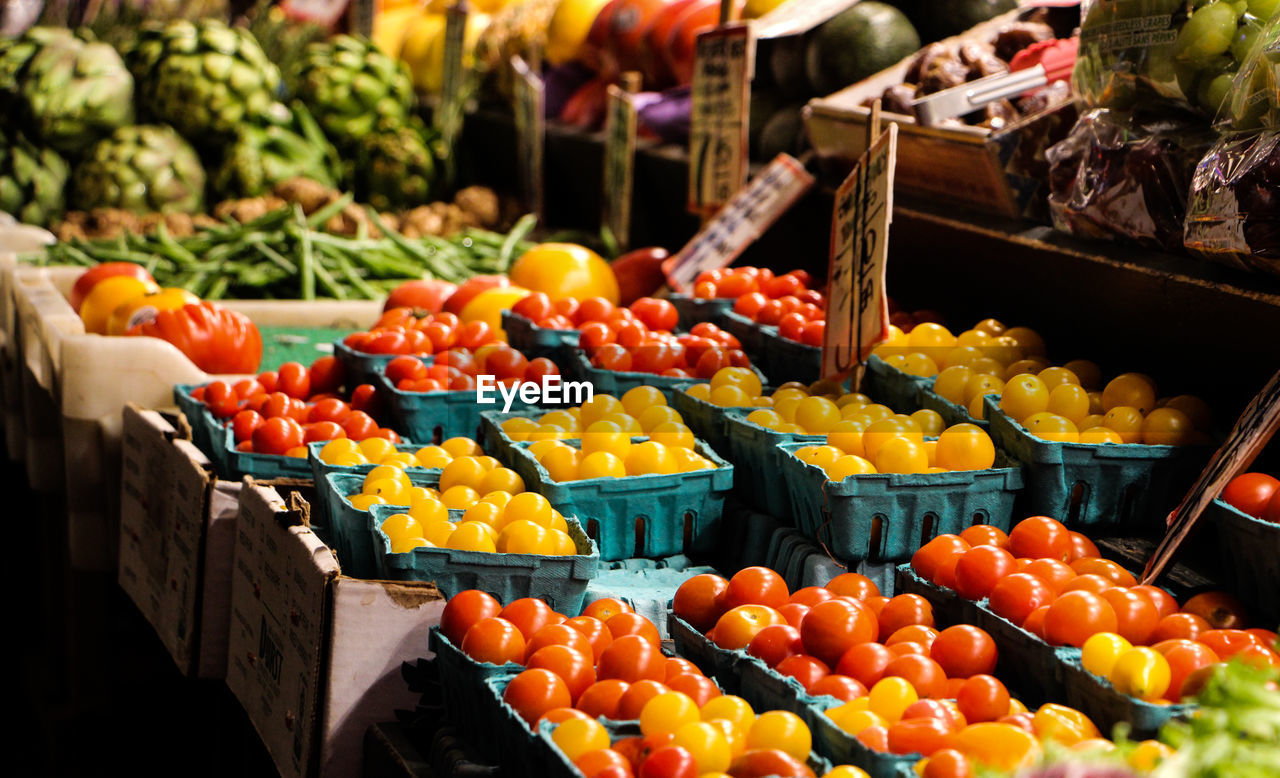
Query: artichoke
{"points": [[394, 167], [350, 86], [74, 93], [204, 78], [32, 180], [262, 157], [15, 53], [141, 168]]}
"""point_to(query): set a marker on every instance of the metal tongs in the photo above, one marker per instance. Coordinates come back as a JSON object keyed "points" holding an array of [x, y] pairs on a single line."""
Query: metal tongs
{"points": [[1037, 65]]}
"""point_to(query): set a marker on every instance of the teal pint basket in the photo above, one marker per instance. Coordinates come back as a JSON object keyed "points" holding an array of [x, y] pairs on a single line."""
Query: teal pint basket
{"points": [[218, 442], [561, 581], [1040, 671], [757, 459], [648, 516], [887, 516], [785, 360], [462, 687], [359, 367], [349, 526], [765, 689], [1250, 550], [951, 413], [692, 310], [534, 341], [749, 333], [1097, 485], [889, 385], [431, 417]]}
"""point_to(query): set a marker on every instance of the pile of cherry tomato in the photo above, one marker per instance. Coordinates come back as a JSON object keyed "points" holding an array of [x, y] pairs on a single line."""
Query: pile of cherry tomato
{"points": [[567, 313], [417, 333], [1053, 583], [280, 411], [783, 301], [456, 369], [1255, 495]]}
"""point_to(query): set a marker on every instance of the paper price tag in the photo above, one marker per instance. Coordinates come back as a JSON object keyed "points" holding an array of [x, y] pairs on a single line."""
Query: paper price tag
{"points": [[744, 218], [531, 131], [619, 165], [1255, 427], [857, 308], [721, 92], [798, 16]]}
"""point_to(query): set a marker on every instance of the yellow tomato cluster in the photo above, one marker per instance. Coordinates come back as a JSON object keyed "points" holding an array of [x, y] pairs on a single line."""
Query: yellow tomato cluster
{"points": [[642, 410], [614, 455], [989, 346], [731, 387], [499, 522], [1055, 404], [462, 483], [896, 444], [380, 451], [1136, 671], [716, 734]]}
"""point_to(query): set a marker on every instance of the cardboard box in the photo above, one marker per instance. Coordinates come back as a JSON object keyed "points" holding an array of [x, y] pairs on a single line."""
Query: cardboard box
{"points": [[177, 537], [1001, 172], [316, 657]]}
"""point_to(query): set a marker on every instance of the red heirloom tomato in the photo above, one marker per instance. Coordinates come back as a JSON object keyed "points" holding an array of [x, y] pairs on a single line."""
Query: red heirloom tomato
{"points": [[215, 339]]}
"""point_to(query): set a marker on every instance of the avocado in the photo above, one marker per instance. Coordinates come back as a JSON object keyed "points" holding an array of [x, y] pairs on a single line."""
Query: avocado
{"points": [[764, 104], [938, 19], [784, 131], [858, 43], [786, 64]]}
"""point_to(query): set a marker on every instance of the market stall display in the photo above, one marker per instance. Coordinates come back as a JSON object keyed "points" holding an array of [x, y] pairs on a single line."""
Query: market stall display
{"points": [[362, 441]]}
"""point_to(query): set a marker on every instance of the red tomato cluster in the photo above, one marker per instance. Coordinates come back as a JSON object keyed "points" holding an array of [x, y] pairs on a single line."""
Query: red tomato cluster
{"points": [[606, 662], [568, 313], [1054, 584], [417, 333], [632, 347], [457, 368], [280, 411], [783, 301], [739, 282], [1254, 494], [838, 639]]}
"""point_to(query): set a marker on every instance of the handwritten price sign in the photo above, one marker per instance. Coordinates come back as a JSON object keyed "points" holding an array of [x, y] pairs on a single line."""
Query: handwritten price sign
{"points": [[858, 310], [744, 218], [718, 126]]}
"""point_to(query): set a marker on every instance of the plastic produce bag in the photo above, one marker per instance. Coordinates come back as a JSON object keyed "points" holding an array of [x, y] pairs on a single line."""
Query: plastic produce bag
{"points": [[1233, 211], [1120, 178], [1255, 99], [1136, 53]]}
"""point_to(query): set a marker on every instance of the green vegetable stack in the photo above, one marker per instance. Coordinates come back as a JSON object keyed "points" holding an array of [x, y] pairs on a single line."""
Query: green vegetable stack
{"points": [[261, 157], [1235, 733], [32, 180], [204, 78], [146, 167]]}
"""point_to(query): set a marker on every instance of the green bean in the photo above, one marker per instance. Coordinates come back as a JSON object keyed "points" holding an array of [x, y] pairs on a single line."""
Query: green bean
{"points": [[349, 272], [326, 213]]}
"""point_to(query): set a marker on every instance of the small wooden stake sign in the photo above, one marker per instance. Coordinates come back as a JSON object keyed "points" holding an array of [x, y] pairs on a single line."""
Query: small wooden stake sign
{"points": [[721, 92], [619, 160], [531, 131], [857, 307], [1255, 427]]}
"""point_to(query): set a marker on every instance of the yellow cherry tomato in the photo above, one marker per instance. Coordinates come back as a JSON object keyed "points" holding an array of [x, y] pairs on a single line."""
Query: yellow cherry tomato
{"points": [[1167, 427], [1069, 401], [437, 531], [731, 708], [667, 712], [649, 458], [1100, 652], [965, 447], [847, 466], [1024, 395], [428, 509], [361, 502], [374, 449], [846, 436], [930, 422], [639, 398], [1126, 421], [489, 305], [1141, 672], [401, 526], [340, 447], [980, 384], [578, 736], [889, 697], [650, 418], [562, 463], [1148, 755], [471, 536], [1051, 426], [521, 537], [742, 377], [1130, 389], [782, 730], [998, 746], [1098, 434], [459, 497], [902, 455], [517, 429], [707, 744], [1067, 726]]}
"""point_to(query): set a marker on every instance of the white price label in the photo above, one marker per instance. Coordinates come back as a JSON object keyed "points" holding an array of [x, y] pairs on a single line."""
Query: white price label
{"points": [[721, 93], [744, 218], [857, 307]]}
